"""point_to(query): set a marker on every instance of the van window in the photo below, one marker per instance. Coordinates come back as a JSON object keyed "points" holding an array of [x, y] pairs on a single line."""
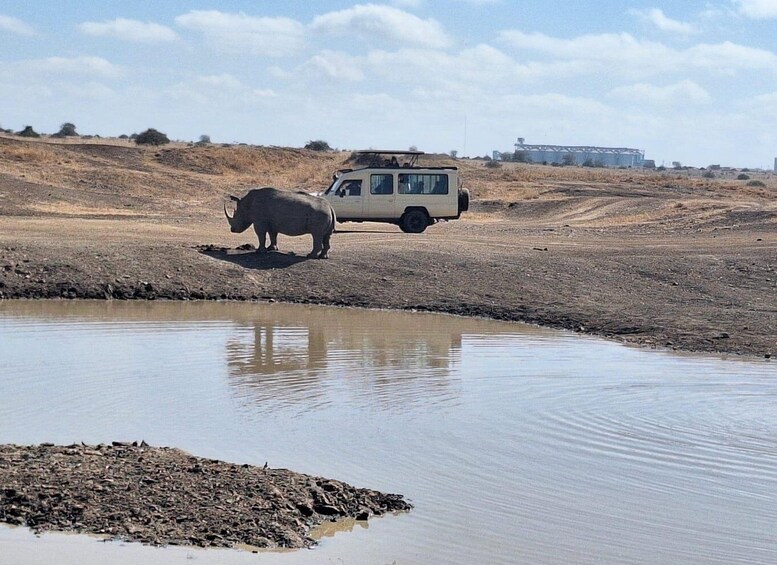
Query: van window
{"points": [[381, 184], [423, 184], [352, 188]]}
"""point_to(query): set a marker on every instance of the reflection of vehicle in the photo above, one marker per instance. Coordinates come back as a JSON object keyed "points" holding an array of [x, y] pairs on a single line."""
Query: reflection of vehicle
{"points": [[385, 190]]}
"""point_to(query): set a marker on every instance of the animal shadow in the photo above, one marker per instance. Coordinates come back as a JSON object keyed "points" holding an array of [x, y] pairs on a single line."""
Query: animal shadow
{"points": [[247, 257]]}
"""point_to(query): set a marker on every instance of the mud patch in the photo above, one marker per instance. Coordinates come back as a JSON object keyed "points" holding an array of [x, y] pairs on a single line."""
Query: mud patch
{"points": [[164, 496]]}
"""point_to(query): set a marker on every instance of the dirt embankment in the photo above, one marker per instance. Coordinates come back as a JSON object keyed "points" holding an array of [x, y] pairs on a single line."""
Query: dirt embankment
{"points": [[164, 496]]}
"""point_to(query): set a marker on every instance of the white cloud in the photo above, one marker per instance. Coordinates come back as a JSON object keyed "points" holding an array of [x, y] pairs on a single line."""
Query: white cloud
{"points": [[657, 17], [130, 30], [334, 66], [239, 33], [758, 9], [643, 57], [223, 90], [602, 47], [680, 93], [93, 66], [728, 57], [384, 23], [15, 25]]}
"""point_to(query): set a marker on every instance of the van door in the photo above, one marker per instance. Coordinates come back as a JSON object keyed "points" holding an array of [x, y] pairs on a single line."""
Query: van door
{"points": [[348, 200], [381, 201]]}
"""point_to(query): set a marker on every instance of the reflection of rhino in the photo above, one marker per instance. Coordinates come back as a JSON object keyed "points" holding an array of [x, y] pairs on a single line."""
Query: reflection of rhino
{"points": [[276, 211]]}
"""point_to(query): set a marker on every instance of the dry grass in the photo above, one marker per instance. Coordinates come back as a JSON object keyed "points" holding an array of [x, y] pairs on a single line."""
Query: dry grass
{"points": [[27, 154]]}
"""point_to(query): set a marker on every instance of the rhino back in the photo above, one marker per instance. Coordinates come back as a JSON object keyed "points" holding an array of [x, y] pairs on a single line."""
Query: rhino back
{"points": [[289, 213]]}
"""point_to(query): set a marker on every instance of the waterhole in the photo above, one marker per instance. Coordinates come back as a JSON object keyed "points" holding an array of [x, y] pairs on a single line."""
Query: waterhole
{"points": [[515, 444]]}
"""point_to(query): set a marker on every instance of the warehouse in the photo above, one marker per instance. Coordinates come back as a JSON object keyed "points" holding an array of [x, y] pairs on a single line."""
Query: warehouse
{"points": [[578, 155]]}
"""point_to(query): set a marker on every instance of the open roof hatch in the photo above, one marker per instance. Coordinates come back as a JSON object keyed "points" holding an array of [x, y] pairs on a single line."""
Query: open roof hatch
{"points": [[382, 157]]}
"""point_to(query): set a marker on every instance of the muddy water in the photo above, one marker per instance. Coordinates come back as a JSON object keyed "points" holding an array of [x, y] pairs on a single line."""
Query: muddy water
{"points": [[516, 445]]}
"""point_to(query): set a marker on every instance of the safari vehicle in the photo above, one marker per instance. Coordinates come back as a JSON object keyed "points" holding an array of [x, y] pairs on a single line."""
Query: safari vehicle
{"points": [[390, 187]]}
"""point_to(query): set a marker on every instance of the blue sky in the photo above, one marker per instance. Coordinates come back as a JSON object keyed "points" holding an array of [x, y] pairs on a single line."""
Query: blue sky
{"points": [[689, 81]]}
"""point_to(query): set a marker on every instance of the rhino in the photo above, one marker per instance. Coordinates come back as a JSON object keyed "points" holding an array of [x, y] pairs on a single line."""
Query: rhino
{"points": [[276, 211]]}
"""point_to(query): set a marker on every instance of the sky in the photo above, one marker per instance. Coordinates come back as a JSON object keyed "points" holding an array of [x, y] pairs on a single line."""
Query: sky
{"points": [[687, 81]]}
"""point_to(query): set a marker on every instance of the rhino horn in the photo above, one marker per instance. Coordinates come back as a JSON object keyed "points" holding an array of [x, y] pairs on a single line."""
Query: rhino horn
{"points": [[229, 219]]}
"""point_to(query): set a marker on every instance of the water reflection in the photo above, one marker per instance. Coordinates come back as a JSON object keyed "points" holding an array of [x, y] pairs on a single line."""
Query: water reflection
{"points": [[298, 357]]}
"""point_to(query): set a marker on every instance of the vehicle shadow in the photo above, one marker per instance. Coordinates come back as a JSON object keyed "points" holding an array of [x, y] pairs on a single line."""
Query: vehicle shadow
{"points": [[365, 231], [247, 257]]}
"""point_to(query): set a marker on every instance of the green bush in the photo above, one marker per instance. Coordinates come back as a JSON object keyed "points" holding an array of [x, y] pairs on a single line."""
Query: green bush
{"points": [[318, 145], [28, 132], [151, 137], [756, 183], [66, 130], [493, 164], [743, 177], [708, 175]]}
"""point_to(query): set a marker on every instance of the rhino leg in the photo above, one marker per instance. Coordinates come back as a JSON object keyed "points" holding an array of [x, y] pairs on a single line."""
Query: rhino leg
{"points": [[318, 245], [261, 233], [325, 251], [273, 241]]}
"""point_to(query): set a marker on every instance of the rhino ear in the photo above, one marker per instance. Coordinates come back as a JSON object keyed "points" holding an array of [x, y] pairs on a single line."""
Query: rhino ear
{"points": [[233, 197]]}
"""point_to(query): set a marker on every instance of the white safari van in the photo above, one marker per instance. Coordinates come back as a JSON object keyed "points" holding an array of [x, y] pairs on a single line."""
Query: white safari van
{"points": [[396, 191]]}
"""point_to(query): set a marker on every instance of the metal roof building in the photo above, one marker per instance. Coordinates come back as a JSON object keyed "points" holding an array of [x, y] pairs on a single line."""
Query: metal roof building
{"points": [[580, 154]]}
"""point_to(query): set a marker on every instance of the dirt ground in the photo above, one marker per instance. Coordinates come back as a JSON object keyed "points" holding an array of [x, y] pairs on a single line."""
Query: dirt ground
{"points": [[664, 259]]}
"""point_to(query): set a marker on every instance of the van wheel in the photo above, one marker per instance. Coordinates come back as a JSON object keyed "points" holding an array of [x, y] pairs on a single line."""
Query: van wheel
{"points": [[414, 221]]}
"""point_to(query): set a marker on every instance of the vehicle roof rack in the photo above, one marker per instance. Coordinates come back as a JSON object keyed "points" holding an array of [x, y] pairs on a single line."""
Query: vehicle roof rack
{"points": [[375, 156]]}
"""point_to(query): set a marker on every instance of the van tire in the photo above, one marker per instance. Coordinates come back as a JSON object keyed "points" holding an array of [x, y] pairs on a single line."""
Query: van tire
{"points": [[414, 221], [463, 200]]}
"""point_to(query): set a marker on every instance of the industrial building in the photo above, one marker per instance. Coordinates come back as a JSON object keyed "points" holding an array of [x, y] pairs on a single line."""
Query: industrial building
{"points": [[578, 155]]}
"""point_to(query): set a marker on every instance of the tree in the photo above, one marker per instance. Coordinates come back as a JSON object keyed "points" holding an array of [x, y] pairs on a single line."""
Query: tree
{"points": [[568, 159], [522, 157], [413, 148], [454, 153], [677, 165], [152, 137], [66, 130], [318, 145], [204, 139], [28, 132]]}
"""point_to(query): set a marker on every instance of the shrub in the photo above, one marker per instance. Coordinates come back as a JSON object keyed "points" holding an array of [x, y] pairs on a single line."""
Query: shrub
{"points": [[521, 157], [743, 176], [318, 145], [66, 130], [124, 136], [756, 183], [204, 140], [493, 164], [28, 132], [708, 175], [151, 137]]}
